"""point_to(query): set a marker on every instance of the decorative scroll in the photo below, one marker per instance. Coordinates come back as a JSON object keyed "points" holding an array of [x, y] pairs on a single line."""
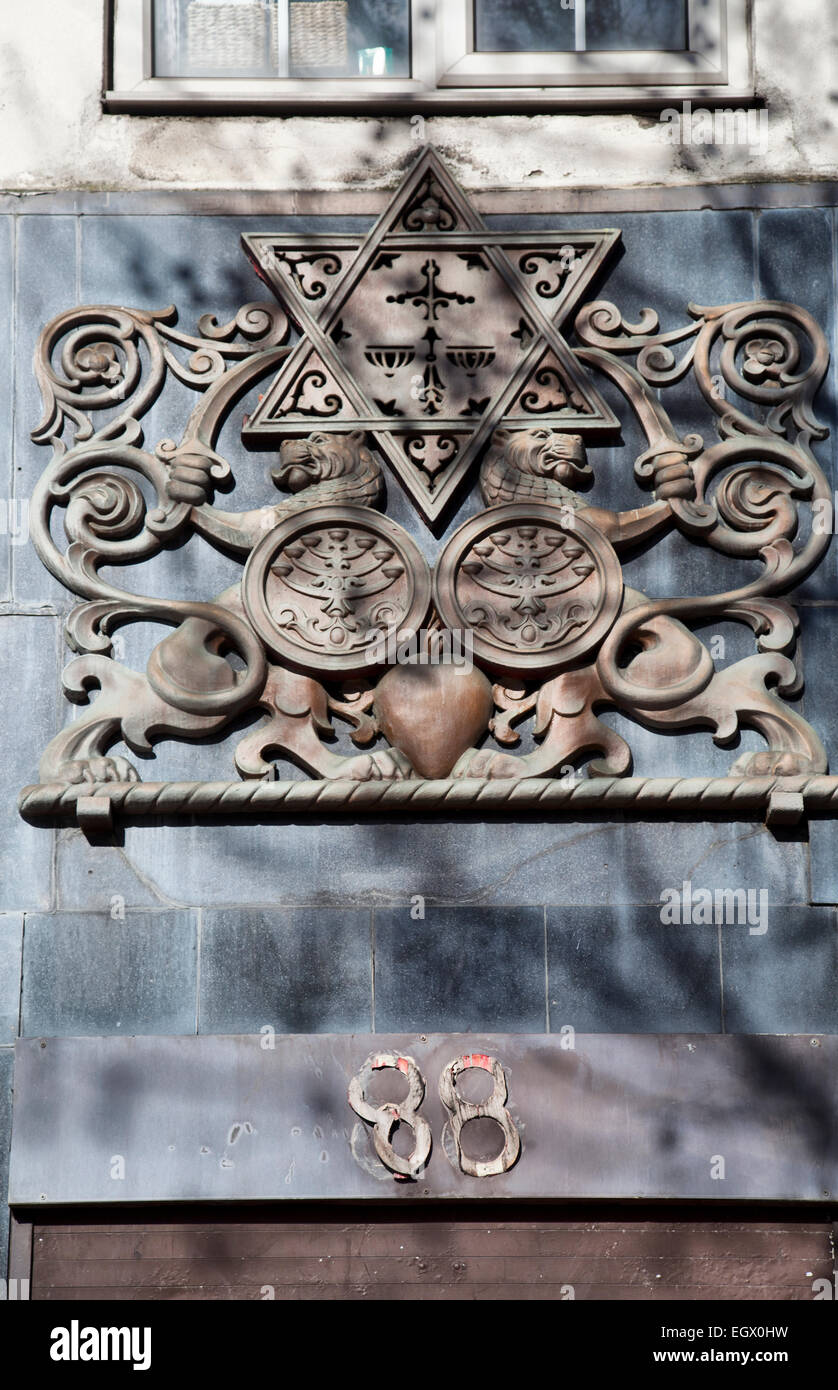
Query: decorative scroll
{"points": [[524, 622]]}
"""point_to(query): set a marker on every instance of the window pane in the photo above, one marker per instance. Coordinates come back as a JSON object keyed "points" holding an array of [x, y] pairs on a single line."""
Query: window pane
{"points": [[538, 26], [653, 24], [282, 38], [543, 26]]}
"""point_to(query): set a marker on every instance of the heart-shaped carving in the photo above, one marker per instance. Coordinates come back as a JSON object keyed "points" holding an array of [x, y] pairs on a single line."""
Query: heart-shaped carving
{"points": [[433, 713]]}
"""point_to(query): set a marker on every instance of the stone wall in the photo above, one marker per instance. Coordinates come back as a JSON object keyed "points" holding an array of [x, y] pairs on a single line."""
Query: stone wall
{"points": [[56, 136], [519, 925]]}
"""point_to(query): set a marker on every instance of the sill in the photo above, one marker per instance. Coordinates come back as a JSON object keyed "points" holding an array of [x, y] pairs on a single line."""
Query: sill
{"points": [[153, 100]]}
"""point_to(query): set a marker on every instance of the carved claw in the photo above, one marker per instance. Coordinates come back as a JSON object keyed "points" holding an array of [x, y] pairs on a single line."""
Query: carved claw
{"points": [[388, 764], [190, 480], [772, 762], [98, 770], [487, 762]]}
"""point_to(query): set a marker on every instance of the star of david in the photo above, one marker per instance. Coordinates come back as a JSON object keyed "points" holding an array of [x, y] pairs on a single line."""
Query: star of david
{"points": [[428, 333]]}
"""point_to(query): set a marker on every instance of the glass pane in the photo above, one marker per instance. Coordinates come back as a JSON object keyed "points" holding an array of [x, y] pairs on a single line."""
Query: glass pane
{"points": [[539, 26], [282, 38], [544, 26], [653, 24]]}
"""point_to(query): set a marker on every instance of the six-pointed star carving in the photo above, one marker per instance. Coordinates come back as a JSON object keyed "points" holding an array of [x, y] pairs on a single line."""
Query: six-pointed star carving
{"points": [[429, 332]]}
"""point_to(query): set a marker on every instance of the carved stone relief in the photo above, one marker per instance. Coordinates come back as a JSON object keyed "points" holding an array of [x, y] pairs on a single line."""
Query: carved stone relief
{"points": [[437, 350]]}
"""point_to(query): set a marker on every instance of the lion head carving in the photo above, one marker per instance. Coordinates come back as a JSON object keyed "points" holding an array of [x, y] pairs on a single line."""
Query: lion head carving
{"points": [[532, 464], [323, 458]]}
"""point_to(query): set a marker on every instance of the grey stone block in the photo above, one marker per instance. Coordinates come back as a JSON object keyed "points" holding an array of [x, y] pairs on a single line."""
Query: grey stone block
{"points": [[299, 970], [818, 626], [823, 849], [29, 701], [90, 974], [11, 944], [7, 1063], [459, 970], [674, 258], [795, 262], [194, 262], [46, 286], [10, 515], [621, 970], [100, 877], [785, 981], [379, 863]]}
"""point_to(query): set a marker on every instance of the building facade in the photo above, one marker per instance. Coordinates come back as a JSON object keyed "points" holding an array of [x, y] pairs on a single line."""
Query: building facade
{"points": [[592, 941]]}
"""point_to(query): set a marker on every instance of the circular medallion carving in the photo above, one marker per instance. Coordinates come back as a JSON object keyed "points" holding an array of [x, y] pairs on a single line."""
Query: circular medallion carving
{"points": [[538, 586], [328, 586]]}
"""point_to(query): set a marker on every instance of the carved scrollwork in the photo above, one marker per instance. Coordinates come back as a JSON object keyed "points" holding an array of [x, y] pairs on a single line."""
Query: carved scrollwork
{"points": [[531, 589], [310, 272], [432, 453], [554, 267], [429, 208]]}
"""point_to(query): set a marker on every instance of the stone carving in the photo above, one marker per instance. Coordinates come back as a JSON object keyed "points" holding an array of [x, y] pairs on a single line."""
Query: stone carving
{"points": [[472, 322], [536, 591], [330, 584], [475, 369]]}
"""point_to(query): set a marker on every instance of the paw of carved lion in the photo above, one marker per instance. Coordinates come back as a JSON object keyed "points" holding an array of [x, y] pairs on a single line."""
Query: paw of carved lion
{"points": [[772, 762], [487, 763], [98, 770], [388, 764]]}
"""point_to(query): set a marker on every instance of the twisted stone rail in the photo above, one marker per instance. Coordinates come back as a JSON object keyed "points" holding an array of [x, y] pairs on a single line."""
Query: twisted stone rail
{"points": [[777, 800]]}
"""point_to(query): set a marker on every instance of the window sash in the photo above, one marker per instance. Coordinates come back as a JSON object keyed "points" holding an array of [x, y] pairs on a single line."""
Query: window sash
{"points": [[447, 72], [704, 62]]}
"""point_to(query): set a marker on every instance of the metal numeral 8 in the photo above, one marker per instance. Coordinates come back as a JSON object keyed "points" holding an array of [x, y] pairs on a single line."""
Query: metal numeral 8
{"points": [[494, 1108], [386, 1116]]}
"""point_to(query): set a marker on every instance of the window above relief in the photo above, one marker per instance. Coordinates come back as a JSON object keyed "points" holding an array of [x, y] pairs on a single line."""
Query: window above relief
{"points": [[415, 55]]}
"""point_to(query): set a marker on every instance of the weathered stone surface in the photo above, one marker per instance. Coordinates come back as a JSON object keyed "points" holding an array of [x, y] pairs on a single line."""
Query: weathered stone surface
{"points": [[297, 970], [376, 863], [45, 286], [823, 846], [460, 969], [7, 1058], [786, 980], [90, 973], [100, 877], [58, 136], [9, 516], [11, 944], [818, 625], [621, 970], [30, 693]]}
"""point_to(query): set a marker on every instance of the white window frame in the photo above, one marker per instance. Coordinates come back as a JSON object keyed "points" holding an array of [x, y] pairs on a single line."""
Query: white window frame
{"points": [[448, 74]]}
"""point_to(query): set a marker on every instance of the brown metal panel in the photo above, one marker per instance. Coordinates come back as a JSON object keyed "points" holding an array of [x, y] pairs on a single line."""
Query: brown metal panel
{"points": [[428, 1256], [618, 1117]]}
